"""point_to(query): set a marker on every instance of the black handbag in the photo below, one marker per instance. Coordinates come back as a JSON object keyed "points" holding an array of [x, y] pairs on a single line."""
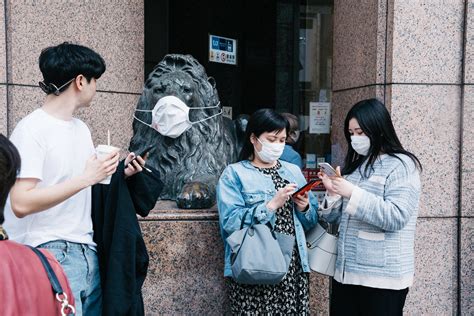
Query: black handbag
{"points": [[61, 296]]}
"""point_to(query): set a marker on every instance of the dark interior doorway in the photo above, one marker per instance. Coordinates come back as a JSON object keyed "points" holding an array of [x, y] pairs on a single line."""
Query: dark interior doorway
{"points": [[184, 27], [284, 58]]}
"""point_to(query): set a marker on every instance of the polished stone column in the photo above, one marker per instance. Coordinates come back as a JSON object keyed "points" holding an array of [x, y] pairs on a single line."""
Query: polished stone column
{"points": [[411, 55], [467, 169]]}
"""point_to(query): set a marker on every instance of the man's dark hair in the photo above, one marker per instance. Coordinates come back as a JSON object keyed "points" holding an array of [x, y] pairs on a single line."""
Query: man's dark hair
{"points": [[59, 64], [10, 164]]}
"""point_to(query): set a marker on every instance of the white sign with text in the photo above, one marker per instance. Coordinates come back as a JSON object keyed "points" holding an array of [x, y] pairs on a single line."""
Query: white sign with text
{"points": [[319, 117]]}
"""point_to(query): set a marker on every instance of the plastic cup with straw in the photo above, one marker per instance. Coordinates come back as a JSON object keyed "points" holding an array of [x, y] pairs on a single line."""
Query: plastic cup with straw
{"points": [[102, 151]]}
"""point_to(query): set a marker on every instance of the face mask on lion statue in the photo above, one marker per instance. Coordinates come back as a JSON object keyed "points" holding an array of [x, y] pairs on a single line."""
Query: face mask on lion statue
{"points": [[180, 116]]}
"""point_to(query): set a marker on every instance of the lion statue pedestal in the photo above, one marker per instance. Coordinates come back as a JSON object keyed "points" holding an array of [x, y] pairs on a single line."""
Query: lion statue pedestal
{"points": [[190, 164]]}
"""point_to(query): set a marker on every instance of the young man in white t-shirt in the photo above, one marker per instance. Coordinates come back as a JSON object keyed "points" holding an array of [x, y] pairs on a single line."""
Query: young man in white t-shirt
{"points": [[50, 204]]}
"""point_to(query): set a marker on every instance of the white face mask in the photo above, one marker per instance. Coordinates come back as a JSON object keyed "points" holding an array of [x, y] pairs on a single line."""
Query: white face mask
{"points": [[361, 144], [170, 116], [270, 151]]}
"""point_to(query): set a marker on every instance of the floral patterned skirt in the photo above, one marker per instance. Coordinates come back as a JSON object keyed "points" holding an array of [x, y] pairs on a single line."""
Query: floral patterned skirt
{"points": [[289, 297]]}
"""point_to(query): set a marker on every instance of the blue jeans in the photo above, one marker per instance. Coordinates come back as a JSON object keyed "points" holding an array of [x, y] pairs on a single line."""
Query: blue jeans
{"points": [[81, 265]]}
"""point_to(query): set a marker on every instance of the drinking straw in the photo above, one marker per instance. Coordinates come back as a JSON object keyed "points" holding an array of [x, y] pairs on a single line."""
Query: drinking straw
{"points": [[108, 137]]}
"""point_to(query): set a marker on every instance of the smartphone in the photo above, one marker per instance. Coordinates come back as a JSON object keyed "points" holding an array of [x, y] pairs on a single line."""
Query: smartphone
{"points": [[327, 169], [142, 154], [306, 187]]}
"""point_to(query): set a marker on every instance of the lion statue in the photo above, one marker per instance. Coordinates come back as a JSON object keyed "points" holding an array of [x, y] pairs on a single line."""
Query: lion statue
{"points": [[192, 142]]}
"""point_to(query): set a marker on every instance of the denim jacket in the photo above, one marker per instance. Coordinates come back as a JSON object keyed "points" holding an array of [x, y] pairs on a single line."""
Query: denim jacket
{"points": [[242, 187]]}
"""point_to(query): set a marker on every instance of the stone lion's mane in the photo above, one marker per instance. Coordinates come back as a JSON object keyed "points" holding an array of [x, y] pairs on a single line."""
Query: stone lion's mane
{"points": [[203, 150]]}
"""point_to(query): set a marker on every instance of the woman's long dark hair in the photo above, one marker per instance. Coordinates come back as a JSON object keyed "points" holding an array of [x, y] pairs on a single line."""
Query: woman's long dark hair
{"points": [[10, 164], [263, 120], [375, 122]]}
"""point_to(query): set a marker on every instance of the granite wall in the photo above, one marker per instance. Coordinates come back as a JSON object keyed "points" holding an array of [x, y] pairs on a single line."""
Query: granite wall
{"points": [[113, 28], [416, 56], [186, 264]]}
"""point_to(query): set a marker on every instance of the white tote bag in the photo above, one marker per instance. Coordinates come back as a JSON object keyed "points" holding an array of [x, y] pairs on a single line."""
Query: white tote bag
{"points": [[322, 250]]}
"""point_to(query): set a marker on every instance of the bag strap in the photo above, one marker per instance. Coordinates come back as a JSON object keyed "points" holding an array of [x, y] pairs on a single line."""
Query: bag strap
{"points": [[61, 297], [242, 223], [252, 222]]}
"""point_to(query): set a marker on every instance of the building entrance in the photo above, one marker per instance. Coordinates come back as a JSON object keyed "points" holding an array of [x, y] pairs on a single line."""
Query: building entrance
{"points": [[283, 58]]}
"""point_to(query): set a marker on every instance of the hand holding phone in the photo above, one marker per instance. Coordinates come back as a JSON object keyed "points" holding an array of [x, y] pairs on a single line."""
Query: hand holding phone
{"points": [[328, 169], [142, 154], [306, 187]]}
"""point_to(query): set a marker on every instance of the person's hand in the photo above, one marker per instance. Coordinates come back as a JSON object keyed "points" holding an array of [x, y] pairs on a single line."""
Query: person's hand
{"points": [[342, 187], [301, 201], [134, 166], [97, 170], [328, 181], [282, 196]]}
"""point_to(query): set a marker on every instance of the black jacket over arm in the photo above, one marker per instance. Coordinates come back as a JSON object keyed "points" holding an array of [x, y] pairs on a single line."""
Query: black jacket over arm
{"points": [[123, 258]]}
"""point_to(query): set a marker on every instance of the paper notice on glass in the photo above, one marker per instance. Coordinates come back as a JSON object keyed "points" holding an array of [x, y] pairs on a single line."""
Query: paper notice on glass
{"points": [[319, 117], [311, 161]]}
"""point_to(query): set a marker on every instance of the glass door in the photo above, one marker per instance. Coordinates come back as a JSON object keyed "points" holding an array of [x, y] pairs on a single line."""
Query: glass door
{"points": [[303, 76]]}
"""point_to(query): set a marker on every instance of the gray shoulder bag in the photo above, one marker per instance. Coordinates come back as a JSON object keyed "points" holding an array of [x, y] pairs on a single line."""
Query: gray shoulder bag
{"points": [[259, 254]]}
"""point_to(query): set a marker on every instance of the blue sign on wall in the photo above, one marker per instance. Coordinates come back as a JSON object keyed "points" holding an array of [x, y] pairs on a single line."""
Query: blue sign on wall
{"points": [[222, 50]]}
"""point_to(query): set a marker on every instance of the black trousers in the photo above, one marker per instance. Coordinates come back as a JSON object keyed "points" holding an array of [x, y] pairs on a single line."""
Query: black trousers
{"points": [[350, 300]]}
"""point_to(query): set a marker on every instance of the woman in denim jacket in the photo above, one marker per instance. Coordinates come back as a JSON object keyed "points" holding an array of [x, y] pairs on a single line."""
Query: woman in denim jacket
{"points": [[375, 203], [262, 182]]}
